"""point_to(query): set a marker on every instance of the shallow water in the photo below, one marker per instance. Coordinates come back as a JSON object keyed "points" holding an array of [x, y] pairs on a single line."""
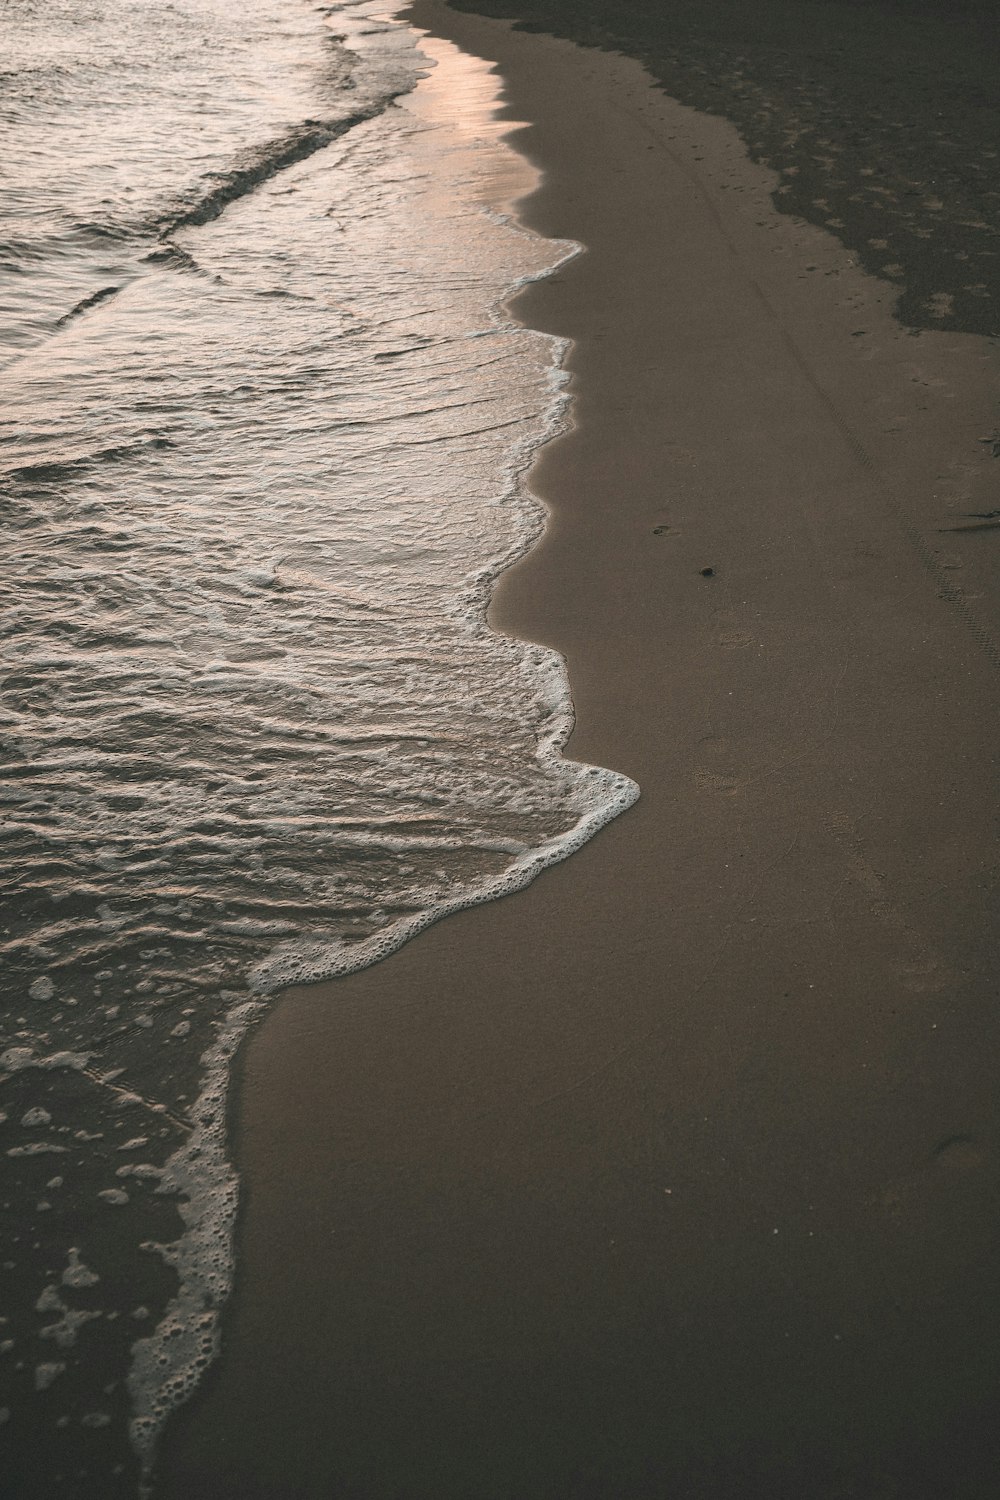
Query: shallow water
{"points": [[264, 429]]}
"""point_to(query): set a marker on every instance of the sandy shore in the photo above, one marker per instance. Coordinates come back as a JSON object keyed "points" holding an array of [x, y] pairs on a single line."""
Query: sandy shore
{"points": [[677, 1174]]}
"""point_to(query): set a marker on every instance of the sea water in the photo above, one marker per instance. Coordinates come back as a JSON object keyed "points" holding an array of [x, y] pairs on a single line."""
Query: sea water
{"points": [[265, 430]]}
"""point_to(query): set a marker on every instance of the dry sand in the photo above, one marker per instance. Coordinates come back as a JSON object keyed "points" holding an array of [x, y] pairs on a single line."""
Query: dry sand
{"points": [[677, 1174]]}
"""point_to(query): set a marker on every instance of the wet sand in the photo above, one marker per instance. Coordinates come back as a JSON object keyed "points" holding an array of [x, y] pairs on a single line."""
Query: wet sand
{"points": [[676, 1174]]}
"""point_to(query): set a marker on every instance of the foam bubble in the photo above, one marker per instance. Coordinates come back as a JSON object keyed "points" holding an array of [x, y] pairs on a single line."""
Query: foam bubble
{"points": [[64, 1332], [47, 1373], [37, 1148], [15, 1059], [76, 1273], [36, 1116]]}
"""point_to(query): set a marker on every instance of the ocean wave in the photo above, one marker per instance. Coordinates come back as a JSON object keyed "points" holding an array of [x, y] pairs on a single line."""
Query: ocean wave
{"points": [[256, 728]]}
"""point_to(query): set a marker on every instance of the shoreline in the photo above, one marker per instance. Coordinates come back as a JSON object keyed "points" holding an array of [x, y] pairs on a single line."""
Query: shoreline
{"points": [[676, 1172]]}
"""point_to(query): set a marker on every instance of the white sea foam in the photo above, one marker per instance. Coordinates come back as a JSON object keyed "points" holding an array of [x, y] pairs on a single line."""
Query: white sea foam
{"points": [[169, 1362]]}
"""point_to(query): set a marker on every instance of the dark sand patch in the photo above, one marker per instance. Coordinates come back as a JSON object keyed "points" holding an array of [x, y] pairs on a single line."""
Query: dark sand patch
{"points": [[881, 118]]}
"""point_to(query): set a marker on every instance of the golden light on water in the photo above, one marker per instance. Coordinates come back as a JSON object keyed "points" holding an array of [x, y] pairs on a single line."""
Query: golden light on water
{"points": [[462, 94]]}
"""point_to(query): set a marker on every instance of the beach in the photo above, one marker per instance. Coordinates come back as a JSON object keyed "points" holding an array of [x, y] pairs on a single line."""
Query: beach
{"points": [[676, 1173]]}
